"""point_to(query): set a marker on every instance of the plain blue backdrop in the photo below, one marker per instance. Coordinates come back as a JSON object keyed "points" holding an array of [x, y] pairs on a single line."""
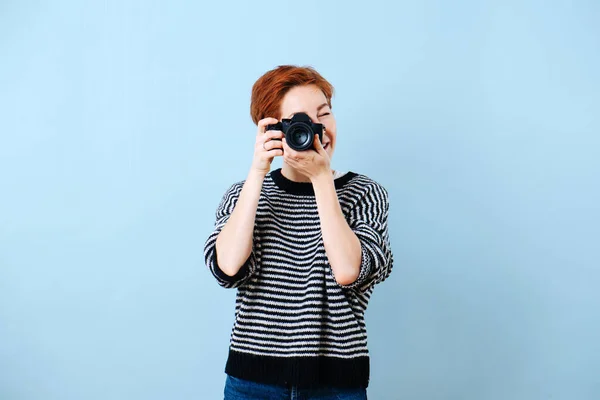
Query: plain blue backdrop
{"points": [[123, 122]]}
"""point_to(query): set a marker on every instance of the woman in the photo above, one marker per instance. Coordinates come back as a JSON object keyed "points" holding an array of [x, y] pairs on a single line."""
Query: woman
{"points": [[304, 245]]}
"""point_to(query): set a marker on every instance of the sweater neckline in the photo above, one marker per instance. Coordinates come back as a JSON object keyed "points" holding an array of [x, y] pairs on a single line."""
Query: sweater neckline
{"points": [[305, 188]]}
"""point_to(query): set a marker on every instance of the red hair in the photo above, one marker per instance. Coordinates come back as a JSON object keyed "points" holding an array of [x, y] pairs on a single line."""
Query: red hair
{"points": [[269, 90]]}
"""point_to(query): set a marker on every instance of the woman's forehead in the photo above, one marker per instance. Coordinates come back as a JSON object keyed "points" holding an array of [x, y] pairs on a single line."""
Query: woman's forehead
{"points": [[306, 97]]}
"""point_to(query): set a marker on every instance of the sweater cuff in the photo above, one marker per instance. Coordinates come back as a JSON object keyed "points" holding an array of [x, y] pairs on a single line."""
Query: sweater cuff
{"points": [[241, 274], [366, 266]]}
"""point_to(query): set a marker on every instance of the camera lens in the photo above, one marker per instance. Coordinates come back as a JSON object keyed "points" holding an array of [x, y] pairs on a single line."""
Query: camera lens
{"points": [[299, 136]]}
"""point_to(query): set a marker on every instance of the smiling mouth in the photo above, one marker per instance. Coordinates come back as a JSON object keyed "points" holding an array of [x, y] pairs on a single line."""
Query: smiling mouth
{"points": [[326, 146]]}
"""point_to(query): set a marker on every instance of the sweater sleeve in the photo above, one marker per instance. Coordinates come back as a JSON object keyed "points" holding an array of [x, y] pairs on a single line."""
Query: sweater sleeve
{"points": [[223, 213], [368, 219]]}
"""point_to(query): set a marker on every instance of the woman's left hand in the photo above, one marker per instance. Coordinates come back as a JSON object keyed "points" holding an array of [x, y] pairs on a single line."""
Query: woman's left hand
{"points": [[311, 163]]}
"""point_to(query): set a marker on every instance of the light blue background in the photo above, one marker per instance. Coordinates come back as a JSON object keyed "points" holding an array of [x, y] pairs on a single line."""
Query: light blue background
{"points": [[122, 123]]}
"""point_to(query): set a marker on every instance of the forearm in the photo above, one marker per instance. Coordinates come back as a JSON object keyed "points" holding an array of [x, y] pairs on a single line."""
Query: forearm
{"points": [[234, 243], [342, 246]]}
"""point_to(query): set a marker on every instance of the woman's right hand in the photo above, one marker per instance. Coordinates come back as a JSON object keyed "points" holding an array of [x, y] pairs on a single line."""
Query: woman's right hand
{"points": [[266, 148]]}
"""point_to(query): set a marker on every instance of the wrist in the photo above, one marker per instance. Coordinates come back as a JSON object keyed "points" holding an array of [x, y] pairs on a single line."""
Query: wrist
{"points": [[322, 177], [256, 175]]}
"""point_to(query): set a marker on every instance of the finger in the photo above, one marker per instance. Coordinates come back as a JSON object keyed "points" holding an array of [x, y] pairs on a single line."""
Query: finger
{"points": [[262, 124], [269, 136], [271, 144], [275, 153], [273, 135]]}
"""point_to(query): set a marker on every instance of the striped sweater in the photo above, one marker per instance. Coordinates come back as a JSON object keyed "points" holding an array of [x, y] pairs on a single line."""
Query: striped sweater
{"points": [[294, 324]]}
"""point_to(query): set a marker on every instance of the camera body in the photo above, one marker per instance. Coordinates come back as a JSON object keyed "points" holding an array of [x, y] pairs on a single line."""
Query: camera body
{"points": [[299, 131]]}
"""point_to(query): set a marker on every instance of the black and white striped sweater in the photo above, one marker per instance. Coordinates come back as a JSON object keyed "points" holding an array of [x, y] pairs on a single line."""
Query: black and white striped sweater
{"points": [[294, 324]]}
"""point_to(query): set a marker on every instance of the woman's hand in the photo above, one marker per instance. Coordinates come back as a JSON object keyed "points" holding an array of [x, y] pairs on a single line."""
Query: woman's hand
{"points": [[311, 163], [265, 147]]}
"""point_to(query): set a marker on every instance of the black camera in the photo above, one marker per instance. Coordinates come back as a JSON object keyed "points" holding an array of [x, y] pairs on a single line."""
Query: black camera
{"points": [[299, 131]]}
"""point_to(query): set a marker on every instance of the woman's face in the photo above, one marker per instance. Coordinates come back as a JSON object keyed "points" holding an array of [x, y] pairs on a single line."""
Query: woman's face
{"points": [[310, 99]]}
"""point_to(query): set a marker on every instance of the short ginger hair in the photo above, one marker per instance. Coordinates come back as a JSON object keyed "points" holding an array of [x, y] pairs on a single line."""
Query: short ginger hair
{"points": [[270, 89]]}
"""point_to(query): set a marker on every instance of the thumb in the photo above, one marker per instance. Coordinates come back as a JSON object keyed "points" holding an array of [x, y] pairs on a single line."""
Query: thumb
{"points": [[318, 144]]}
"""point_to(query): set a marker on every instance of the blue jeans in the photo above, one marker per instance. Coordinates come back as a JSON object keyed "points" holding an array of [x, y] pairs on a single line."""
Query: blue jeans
{"points": [[239, 389]]}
